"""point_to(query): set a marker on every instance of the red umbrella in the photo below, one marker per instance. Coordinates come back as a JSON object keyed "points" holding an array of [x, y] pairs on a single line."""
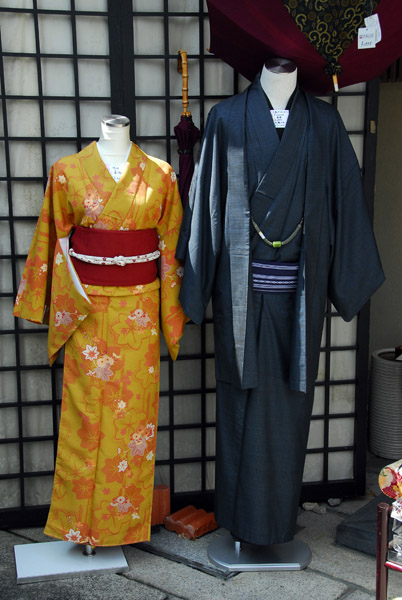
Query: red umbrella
{"points": [[245, 33], [186, 134]]}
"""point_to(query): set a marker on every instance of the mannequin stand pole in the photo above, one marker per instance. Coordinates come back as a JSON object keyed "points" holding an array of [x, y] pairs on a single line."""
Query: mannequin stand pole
{"points": [[234, 555], [60, 560], [89, 550]]}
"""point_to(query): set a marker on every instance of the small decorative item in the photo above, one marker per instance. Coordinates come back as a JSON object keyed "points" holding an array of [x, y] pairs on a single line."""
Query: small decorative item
{"points": [[191, 522], [390, 482], [395, 546], [160, 504]]}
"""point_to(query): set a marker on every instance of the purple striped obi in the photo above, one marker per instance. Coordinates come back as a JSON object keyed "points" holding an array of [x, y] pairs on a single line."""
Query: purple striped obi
{"points": [[274, 276]]}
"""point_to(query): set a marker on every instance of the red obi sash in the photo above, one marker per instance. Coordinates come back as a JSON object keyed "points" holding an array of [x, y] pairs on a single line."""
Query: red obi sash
{"points": [[100, 245]]}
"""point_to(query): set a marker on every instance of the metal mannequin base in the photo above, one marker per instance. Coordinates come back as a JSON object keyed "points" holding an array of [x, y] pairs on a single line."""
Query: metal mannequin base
{"points": [[59, 560], [234, 555]]}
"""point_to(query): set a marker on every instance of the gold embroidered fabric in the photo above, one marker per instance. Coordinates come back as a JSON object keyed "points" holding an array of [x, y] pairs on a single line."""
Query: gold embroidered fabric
{"points": [[330, 25]]}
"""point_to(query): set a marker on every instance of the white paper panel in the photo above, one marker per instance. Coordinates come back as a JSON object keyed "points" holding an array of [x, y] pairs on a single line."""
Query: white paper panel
{"points": [[211, 407], [342, 399], [4, 208], [351, 109], [7, 351], [8, 424], [6, 313], [8, 387], [183, 5], [33, 349], [341, 432], [148, 35], [342, 333], [95, 5], [187, 409], [187, 443], [187, 374], [60, 119], [26, 159], [92, 35], [36, 386], [319, 400], [21, 76], [38, 490], [94, 77], [210, 475], [55, 34], [18, 32], [210, 441], [38, 456], [313, 467], [53, 84], [183, 34], [9, 488], [316, 435], [150, 77], [9, 460], [190, 343], [340, 465], [23, 233], [343, 364], [163, 416], [357, 143], [148, 5], [187, 477]]}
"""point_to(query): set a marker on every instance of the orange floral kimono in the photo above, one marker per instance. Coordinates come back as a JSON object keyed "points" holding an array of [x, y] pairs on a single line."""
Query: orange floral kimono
{"points": [[104, 475]]}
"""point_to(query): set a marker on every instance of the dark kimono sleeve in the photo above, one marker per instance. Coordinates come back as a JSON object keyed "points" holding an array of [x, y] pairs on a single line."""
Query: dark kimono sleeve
{"points": [[200, 238], [356, 270]]}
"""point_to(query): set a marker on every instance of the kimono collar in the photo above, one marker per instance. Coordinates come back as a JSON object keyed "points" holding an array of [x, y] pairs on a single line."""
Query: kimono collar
{"points": [[279, 156]]}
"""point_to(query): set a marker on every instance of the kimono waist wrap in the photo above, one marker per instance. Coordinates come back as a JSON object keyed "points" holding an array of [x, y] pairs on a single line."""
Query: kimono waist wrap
{"points": [[117, 258], [274, 277]]}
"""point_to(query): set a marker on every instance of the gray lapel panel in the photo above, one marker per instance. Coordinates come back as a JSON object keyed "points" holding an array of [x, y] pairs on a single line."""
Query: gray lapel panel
{"points": [[238, 241]]}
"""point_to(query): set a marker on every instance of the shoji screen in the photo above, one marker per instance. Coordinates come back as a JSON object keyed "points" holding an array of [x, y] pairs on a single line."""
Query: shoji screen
{"points": [[63, 66]]}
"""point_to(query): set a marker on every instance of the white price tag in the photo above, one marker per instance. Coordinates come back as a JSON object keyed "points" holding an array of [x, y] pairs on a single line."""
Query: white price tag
{"points": [[280, 117], [366, 38], [373, 22]]}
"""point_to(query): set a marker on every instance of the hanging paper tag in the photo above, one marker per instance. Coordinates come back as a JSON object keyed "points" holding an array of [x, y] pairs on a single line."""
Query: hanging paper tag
{"points": [[280, 117], [373, 22], [366, 38]]}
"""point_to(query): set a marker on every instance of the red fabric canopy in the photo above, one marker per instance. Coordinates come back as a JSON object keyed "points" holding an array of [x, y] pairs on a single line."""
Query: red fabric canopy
{"points": [[245, 33]]}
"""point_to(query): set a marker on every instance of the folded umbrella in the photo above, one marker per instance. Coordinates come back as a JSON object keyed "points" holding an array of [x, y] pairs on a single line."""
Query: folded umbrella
{"points": [[186, 134]]}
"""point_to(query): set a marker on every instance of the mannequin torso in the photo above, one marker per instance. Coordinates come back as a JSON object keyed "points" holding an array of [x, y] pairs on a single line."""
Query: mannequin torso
{"points": [[278, 80], [114, 143]]}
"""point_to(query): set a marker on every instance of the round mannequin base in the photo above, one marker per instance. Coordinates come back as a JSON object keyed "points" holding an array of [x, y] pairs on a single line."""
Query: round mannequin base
{"points": [[233, 555]]}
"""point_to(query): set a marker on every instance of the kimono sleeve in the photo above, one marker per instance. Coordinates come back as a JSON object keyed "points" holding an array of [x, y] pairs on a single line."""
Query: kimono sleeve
{"points": [[33, 298], [201, 234], [171, 271], [356, 270]]}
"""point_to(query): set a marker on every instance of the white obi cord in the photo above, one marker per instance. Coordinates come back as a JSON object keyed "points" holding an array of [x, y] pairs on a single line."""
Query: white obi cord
{"points": [[120, 261]]}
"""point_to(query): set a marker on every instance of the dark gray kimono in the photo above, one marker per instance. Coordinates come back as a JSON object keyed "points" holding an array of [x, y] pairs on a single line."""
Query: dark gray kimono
{"points": [[267, 345]]}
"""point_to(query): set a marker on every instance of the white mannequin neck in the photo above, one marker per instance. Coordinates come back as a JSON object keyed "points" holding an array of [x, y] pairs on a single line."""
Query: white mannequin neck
{"points": [[114, 143], [278, 80]]}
